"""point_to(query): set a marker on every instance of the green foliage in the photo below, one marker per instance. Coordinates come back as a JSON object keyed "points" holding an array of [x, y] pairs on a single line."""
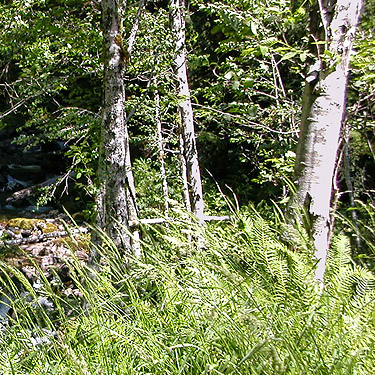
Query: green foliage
{"points": [[150, 200], [246, 71], [362, 229], [361, 106], [253, 69], [56, 48], [51, 78], [243, 303]]}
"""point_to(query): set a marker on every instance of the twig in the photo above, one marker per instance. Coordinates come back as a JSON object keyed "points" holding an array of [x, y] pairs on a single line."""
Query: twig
{"points": [[19, 104], [251, 124]]}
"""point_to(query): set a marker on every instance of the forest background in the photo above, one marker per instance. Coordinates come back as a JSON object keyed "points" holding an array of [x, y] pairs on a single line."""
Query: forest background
{"points": [[247, 67]]}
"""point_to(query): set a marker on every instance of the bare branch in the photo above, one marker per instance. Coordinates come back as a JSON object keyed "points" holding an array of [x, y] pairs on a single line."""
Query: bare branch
{"points": [[135, 27], [19, 104], [245, 122]]}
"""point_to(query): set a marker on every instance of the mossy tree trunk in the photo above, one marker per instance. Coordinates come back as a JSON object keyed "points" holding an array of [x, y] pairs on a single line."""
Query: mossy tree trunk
{"points": [[116, 199]]}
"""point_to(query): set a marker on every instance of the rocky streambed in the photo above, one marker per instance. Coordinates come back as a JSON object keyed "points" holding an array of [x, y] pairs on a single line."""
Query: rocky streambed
{"points": [[36, 242], [38, 251]]}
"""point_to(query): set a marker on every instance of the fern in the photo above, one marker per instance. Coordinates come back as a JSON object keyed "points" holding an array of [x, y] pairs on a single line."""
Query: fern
{"points": [[339, 256], [244, 303], [346, 279]]}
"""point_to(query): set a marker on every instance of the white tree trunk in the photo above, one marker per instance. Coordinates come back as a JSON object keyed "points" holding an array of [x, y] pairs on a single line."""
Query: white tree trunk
{"points": [[185, 109], [131, 193], [160, 143], [116, 200], [184, 176], [134, 30], [322, 116]]}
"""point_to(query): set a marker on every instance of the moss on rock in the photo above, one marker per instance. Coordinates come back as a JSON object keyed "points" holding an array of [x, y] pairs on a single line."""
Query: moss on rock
{"points": [[49, 228], [25, 224], [21, 223]]}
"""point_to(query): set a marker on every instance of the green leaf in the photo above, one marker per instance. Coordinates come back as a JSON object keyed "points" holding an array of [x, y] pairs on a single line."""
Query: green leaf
{"points": [[263, 50], [248, 82], [236, 85], [215, 29], [289, 55]]}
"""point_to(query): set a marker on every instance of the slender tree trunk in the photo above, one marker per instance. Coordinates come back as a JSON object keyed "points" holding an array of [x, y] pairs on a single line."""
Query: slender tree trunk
{"points": [[131, 193], [322, 116], [134, 30], [190, 153], [116, 199], [349, 185], [159, 134], [184, 176]]}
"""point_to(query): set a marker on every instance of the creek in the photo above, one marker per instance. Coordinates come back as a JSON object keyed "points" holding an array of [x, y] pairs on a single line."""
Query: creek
{"points": [[22, 172], [22, 169]]}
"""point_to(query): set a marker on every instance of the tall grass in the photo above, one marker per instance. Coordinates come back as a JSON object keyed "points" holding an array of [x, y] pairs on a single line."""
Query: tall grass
{"points": [[243, 302]]}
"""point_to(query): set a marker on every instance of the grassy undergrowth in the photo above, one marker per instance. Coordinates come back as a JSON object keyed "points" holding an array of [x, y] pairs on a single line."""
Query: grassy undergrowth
{"points": [[242, 303]]}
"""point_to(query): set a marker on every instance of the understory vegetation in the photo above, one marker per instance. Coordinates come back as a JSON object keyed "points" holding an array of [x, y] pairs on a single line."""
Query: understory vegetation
{"points": [[242, 301], [181, 112]]}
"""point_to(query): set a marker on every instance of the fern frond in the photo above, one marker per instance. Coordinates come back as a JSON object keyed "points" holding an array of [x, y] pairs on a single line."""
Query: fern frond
{"points": [[347, 281], [339, 256]]}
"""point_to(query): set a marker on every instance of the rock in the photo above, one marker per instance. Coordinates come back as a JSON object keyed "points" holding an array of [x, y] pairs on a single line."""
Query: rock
{"points": [[31, 273], [9, 207], [49, 227], [12, 234], [25, 224], [28, 227], [12, 184], [38, 340], [44, 264], [44, 302], [26, 232], [31, 171], [5, 303], [37, 284], [37, 210], [37, 250]]}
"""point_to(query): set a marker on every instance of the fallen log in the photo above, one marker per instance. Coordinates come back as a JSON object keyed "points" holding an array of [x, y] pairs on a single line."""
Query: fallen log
{"points": [[159, 220], [43, 237], [25, 193], [82, 230]]}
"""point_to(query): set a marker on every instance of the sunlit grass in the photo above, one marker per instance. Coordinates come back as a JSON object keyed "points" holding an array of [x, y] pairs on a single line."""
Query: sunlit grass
{"points": [[240, 303]]}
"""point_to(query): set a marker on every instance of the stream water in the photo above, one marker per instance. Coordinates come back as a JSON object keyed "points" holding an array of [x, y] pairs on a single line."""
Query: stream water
{"points": [[22, 169]]}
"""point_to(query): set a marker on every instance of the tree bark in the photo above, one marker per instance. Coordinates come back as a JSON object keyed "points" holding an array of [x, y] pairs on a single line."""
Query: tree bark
{"points": [[184, 175], [322, 115], [177, 10], [160, 143], [349, 185], [116, 199]]}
